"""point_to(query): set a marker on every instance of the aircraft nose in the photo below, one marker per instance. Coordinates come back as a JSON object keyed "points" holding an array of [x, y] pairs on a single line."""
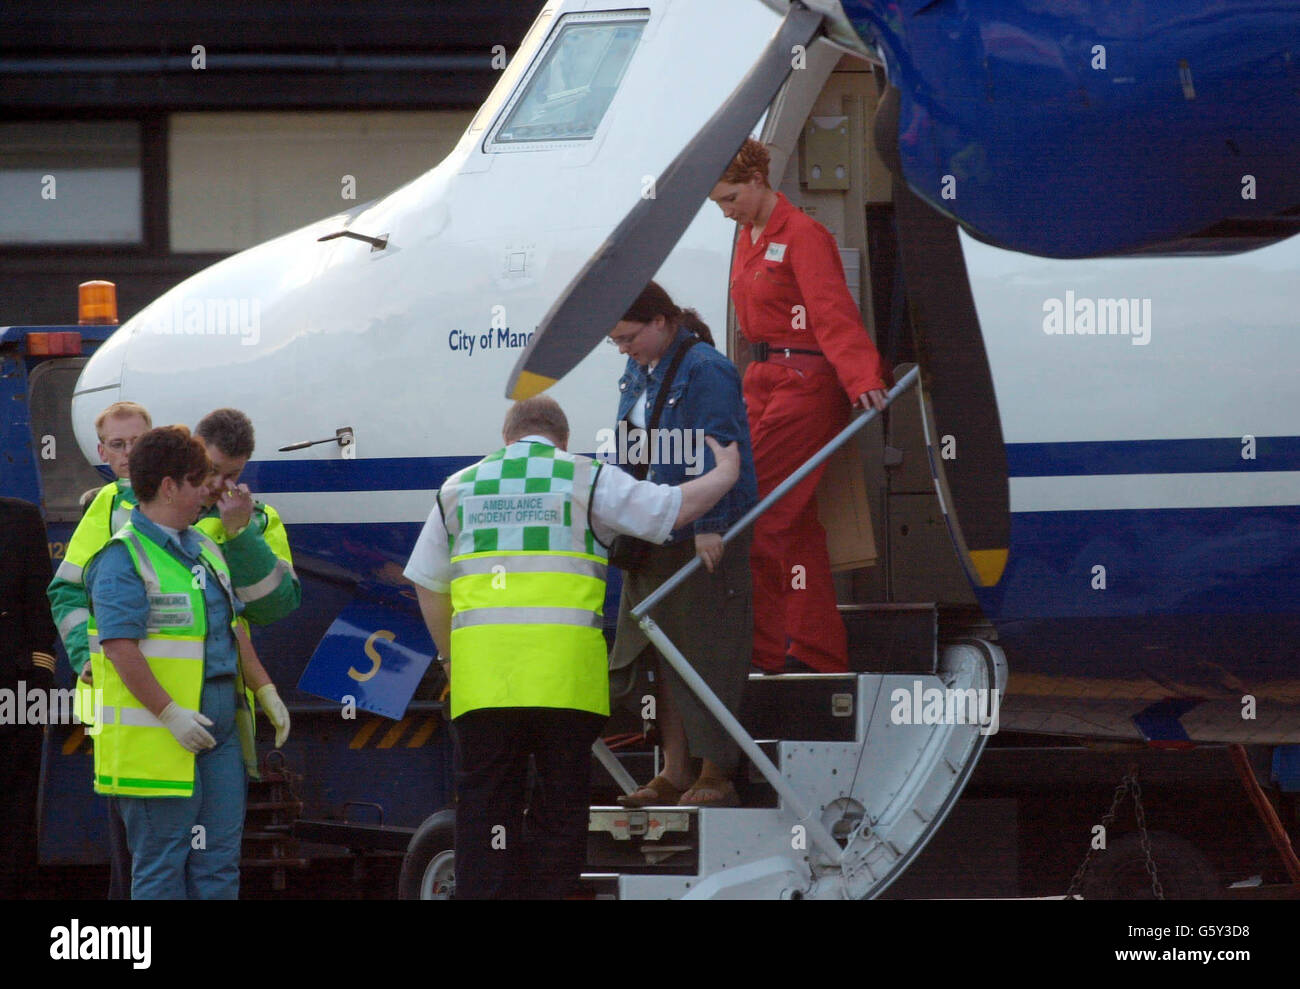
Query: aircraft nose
{"points": [[98, 386]]}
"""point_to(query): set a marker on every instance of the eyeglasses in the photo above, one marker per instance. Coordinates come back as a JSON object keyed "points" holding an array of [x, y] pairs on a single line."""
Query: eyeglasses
{"points": [[627, 338], [120, 446]]}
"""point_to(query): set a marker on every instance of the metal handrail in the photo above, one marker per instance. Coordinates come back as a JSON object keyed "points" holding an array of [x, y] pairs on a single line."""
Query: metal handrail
{"points": [[779, 492], [820, 836]]}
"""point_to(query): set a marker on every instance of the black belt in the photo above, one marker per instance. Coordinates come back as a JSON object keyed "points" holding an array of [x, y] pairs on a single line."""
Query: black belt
{"points": [[762, 351]]}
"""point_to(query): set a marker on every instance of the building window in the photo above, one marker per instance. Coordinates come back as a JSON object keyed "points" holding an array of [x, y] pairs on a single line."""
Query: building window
{"points": [[238, 179], [70, 182]]}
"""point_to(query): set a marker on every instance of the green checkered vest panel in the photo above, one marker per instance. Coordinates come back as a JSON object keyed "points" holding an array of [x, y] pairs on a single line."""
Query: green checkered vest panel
{"points": [[528, 582]]}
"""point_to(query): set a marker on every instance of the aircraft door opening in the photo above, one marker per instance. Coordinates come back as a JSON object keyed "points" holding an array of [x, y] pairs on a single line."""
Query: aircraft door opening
{"points": [[823, 159]]}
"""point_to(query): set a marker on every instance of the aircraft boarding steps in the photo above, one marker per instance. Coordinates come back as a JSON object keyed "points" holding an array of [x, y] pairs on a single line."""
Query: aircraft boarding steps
{"points": [[859, 804], [852, 809]]}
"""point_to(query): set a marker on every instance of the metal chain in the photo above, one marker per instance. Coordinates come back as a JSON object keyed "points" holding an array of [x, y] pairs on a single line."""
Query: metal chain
{"points": [[1106, 822], [1127, 784], [1156, 888]]}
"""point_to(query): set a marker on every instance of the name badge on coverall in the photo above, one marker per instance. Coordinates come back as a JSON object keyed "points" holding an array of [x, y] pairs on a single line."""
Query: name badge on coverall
{"points": [[775, 252]]}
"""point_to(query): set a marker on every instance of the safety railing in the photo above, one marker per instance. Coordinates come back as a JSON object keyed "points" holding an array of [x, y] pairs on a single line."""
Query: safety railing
{"points": [[820, 836]]}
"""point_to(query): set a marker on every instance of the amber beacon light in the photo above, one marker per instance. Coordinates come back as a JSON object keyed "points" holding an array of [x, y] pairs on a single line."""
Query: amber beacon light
{"points": [[96, 303]]}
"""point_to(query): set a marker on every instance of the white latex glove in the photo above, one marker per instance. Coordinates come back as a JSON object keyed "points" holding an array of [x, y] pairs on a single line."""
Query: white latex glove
{"points": [[188, 727], [276, 713]]}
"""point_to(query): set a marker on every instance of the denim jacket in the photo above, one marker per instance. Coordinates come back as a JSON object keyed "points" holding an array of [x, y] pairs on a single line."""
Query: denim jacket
{"points": [[705, 395]]}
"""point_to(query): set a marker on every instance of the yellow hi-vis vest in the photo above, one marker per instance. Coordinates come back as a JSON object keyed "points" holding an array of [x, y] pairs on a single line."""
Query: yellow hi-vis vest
{"points": [[135, 754], [277, 541], [108, 511], [527, 584]]}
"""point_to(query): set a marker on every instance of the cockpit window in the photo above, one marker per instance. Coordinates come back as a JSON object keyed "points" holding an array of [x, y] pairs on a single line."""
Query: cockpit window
{"points": [[567, 95]]}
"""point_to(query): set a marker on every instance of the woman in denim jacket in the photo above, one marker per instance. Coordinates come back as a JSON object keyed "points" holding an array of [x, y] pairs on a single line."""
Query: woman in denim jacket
{"points": [[710, 618]]}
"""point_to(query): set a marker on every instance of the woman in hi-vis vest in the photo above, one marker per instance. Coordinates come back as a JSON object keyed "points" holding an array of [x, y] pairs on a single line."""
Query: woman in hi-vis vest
{"points": [[811, 359], [173, 734]]}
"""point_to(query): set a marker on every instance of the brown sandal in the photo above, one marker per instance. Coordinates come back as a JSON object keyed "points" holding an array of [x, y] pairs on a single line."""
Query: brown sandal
{"points": [[659, 792], [725, 794]]}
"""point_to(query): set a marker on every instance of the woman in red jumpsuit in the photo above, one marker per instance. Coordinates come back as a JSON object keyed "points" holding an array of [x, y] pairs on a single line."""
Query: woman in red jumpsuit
{"points": [[787, 284]]}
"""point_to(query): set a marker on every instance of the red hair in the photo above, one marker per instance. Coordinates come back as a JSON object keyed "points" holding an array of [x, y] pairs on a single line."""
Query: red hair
{"points": [[753, 157]]}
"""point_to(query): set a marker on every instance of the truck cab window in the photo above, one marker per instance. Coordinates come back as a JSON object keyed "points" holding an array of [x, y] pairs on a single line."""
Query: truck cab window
{"points": [[65, 475]]}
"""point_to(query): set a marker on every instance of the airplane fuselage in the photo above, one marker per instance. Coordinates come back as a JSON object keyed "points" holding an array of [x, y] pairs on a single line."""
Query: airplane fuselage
{"points": [[1147, 404]]}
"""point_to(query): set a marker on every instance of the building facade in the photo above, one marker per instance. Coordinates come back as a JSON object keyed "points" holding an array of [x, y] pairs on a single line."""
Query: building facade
{"points": [[141, 148]]}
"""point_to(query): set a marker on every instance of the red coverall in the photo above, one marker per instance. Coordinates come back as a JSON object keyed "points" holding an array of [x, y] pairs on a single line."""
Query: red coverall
{"points": [[789, 290]]}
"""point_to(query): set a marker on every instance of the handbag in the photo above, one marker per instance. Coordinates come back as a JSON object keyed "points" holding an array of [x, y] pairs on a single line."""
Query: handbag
{"points": [[629, 553]]}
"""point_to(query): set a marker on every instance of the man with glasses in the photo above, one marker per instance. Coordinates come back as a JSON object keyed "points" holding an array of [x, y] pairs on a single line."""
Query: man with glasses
{"points": [[118, 427]]}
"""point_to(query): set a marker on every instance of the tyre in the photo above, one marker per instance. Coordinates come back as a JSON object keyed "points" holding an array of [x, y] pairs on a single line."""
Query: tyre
{"points": [[428, 870], [1119, 872]]}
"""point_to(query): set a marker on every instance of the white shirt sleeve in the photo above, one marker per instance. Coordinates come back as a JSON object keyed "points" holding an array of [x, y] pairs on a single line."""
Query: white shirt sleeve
{"points": [[622, 504], [430, 563]]}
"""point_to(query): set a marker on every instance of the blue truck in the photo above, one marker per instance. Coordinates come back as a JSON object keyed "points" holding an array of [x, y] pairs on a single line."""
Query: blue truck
{"points": [[367, 781]]}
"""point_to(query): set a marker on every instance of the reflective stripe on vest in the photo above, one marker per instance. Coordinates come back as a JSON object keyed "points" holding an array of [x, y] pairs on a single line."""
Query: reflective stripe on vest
{"points": [[528, 583], [261, 588], [135, 755], [580, 617], [267, 522], [488, 563]]}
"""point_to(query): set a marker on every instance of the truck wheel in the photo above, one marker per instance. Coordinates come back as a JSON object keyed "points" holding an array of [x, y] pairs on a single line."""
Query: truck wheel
{"points": [[428, 870], [1120, 873]]}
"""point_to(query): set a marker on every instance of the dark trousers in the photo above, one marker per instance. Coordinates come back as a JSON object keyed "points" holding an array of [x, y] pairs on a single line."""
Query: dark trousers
{"points": [[20, 775], [493, 859], [119, 854]]}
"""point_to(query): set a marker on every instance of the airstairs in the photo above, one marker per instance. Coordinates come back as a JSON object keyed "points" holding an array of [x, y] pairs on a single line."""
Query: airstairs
{"points": [[860, 788], [845, 776]]}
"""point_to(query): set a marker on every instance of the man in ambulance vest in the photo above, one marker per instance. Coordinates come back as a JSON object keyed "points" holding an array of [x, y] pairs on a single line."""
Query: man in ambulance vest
{"points": [[510, 574]]}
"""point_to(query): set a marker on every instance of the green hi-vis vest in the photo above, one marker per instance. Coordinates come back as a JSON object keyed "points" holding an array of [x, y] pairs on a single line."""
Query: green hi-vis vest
{"points": [[259, 585], [266, 521], [527, 582], [135, 754]]}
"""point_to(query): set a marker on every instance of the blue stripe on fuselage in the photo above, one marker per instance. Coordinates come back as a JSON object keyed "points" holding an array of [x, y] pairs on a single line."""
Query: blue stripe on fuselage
{"points": [[1243, 560], [1194, 456], [1202, 561], [1219, 455], [373, 474]]}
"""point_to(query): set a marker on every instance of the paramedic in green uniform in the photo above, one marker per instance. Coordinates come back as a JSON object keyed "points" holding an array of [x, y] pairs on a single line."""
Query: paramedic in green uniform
{"points": [[249, 532], [117, 427], [162, 646]]}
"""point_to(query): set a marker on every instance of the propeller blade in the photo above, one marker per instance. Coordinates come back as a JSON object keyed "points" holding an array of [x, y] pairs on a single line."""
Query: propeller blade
{"points": [[601, 292]]}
